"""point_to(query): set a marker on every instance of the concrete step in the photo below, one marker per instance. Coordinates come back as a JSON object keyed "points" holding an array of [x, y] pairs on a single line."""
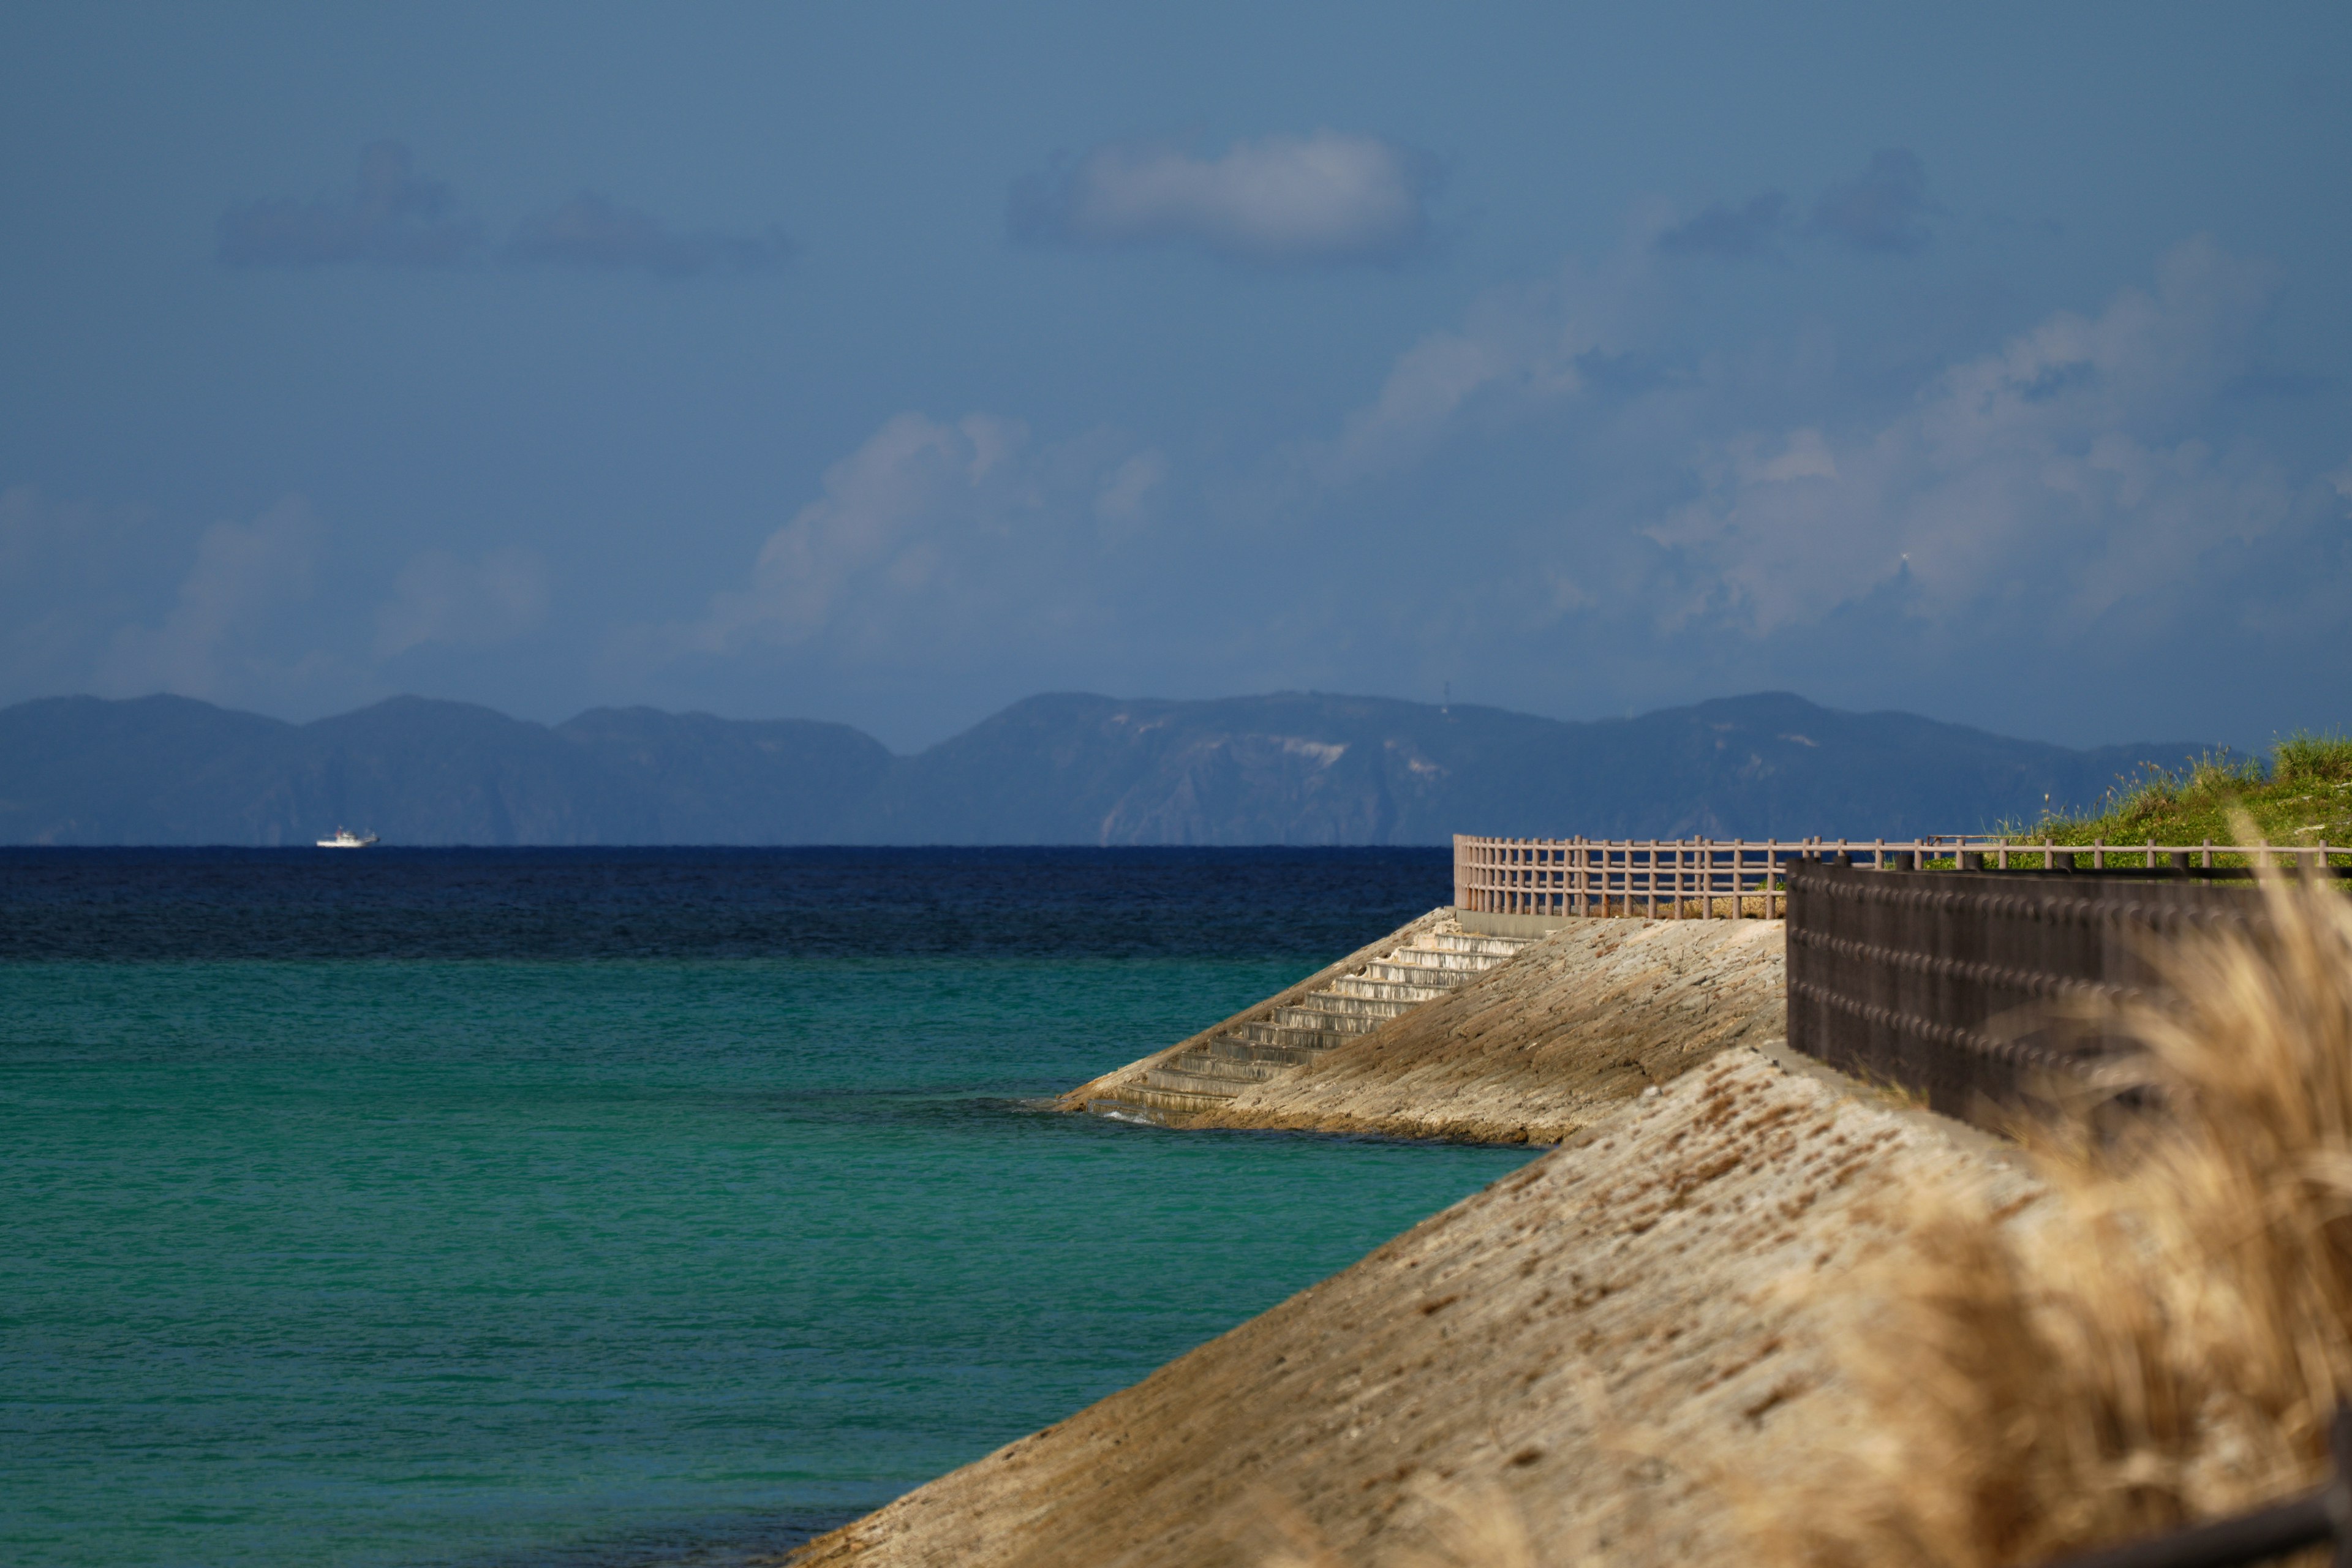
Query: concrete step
{"points": [[1311, 1014], [1358, 1007], [1329, 1015], [1444, 960], [1379, 990], [1450, 942], [1240, 1071], [1295, 1049], [1402, 971], [1192, 1083], [1208, 1076], [1142, 1097], [1283, 1037]]}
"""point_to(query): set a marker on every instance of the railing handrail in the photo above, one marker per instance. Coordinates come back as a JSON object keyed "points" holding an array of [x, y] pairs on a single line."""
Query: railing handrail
{"points": [[1576, 877]]}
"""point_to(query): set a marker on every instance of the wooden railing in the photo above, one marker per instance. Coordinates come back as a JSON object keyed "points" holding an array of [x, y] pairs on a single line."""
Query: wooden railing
{"points": [[1741, 878]]}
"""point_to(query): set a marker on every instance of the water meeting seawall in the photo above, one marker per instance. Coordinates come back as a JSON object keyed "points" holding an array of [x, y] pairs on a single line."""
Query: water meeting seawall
{"points": [[1607, 1349], [1532, 1051]]}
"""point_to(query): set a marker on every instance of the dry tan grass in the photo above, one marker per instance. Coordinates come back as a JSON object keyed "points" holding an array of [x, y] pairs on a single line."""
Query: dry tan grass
{"points": [[2157, 1336], [2162, 1337]]}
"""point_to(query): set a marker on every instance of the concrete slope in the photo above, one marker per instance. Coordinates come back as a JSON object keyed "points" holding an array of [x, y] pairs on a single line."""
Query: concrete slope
{"points": [[1537, 1049], [1196, 1080], [1520, 1049], [1121, 1087], [1609, 1343]]}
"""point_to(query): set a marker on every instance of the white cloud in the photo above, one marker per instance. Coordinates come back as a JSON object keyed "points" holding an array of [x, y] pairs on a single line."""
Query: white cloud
{"points": [[69, 573], [1324, 197], [1428, 387], [1611, 489], [211, 643], [871, 524], [931, 533], [2065, 467], [442, 598], [1126, 495], [271, 613], [1520, 349], [1804, 456]]}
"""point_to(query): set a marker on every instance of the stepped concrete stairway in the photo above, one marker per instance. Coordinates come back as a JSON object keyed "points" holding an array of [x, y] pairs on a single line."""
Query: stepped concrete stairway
{"points": [[1273, 1040]]}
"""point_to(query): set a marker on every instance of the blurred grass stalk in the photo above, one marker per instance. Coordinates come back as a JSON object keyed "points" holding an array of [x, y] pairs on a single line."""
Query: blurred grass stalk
{"points": [[2161, 1337]]}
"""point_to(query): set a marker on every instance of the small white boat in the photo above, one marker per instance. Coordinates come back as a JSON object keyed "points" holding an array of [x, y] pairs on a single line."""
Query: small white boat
{"points": [[345, 838]]}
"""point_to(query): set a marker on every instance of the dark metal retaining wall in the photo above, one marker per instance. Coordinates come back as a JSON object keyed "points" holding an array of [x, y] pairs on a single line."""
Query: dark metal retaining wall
{"points": [[1956, 984]]}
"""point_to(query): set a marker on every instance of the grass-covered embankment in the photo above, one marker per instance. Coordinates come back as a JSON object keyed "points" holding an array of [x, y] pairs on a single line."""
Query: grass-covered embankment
{"points": [[2303, 795]]}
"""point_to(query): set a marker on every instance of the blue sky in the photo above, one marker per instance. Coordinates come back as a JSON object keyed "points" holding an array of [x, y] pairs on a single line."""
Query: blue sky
{"points": [[887, 363]]}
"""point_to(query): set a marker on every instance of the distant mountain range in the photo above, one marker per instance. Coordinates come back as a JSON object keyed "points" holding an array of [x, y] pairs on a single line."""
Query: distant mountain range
{"points": [[1293, 768]]}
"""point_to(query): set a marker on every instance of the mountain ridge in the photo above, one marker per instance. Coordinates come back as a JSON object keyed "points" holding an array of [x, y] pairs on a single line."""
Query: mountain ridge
{"points": [[1057, 768]]}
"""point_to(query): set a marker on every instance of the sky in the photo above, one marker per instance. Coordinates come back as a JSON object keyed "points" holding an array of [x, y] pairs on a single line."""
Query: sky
{"points": [[887, 363]]}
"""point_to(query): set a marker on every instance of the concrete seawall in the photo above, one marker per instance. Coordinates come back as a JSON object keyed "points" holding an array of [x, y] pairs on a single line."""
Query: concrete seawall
{"points": [[1609, 1345], [1530, 1051]]}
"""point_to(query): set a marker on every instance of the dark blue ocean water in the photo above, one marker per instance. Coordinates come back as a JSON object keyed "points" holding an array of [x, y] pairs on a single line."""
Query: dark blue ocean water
{"points": [[613, 1207]]}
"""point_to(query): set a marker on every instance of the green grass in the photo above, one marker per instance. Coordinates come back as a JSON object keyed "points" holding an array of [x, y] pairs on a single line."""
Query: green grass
{"points": [[2303, 796]]}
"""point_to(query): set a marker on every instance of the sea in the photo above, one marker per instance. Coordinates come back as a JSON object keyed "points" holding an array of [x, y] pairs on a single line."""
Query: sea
{"points": [[604, 1208]]}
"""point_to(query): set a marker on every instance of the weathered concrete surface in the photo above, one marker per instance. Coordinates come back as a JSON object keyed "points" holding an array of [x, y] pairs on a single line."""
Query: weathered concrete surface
{"points": [[1613, 1341], [1535, 1049], [1194, 1081], [1111, 1084]]}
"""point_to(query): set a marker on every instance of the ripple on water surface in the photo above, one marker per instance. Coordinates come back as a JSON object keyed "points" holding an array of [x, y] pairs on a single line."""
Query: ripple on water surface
{"points": [[591, 1258]]}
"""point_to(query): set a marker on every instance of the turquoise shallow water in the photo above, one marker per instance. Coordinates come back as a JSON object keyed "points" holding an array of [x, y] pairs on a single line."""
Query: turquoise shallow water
{"points": [[410, 1260]]}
